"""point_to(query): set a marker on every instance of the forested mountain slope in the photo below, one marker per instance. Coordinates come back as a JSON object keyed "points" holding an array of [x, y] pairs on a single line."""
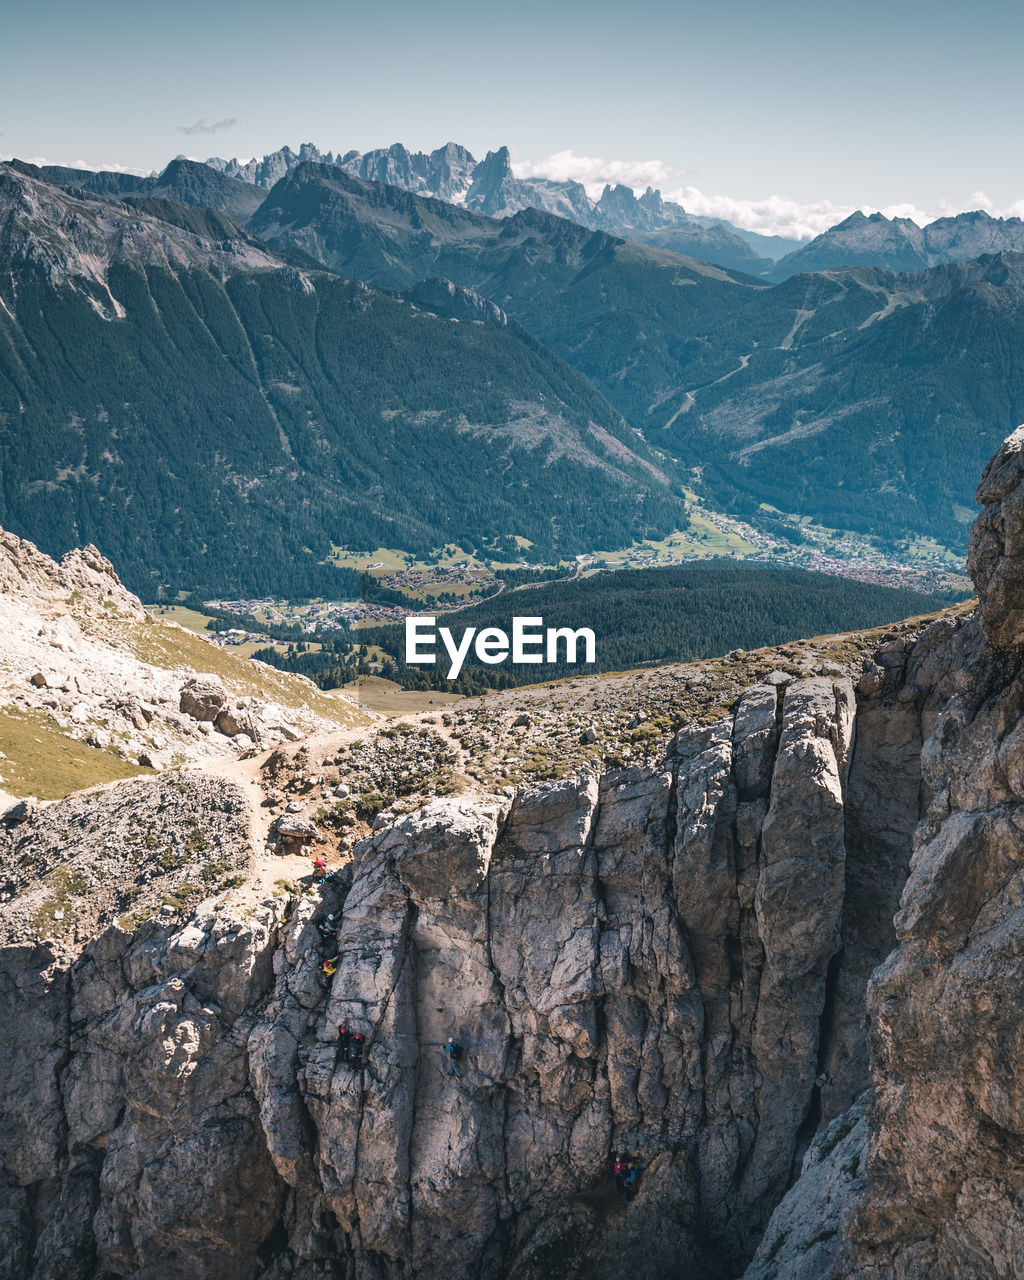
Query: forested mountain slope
{"points": [[863, 397], [215, 418]]}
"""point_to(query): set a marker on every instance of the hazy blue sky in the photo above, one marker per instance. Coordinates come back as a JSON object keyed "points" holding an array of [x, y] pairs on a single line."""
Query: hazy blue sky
{"points": [[826, 107]]}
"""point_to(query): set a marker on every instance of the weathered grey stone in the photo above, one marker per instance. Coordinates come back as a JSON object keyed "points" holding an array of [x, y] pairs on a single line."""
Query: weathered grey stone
{"points": [[201, 698], [288, 827], [995, 558], [806, 1238], [667, 961]]}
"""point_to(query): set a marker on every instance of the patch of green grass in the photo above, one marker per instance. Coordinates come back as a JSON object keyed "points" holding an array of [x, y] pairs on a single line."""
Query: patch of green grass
{"points": [[196, 842], [169, 648], [214, 870], [187, 618], [134, 920], [57, 912], [183, 898], [369, 805], [42, 761], [171, 859]]}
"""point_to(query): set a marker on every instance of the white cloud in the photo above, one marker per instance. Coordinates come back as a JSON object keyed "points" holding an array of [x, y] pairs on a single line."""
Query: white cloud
{"points": [[777, 215], [773, 215], [201, 126], [41, 161], [594, 172]]}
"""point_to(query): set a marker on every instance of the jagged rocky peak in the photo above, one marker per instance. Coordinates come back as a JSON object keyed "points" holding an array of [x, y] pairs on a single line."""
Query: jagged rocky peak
{"points": [[495, 190], [651, 201], [619, 207], [271, 168], [445, 173], [899, 244], [995, 558], [32, 577]]}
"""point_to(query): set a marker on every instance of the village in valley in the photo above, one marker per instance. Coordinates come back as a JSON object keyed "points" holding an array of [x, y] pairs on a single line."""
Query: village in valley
{"points": [[458, 579]]}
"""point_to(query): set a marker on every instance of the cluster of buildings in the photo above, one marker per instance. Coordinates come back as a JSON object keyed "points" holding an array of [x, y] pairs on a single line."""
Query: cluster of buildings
{"points": [[461, 573], [330, 615], [235, 635]]}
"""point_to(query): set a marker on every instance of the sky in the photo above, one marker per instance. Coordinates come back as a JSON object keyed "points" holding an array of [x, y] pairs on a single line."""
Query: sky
{"points": [[782, 117]]}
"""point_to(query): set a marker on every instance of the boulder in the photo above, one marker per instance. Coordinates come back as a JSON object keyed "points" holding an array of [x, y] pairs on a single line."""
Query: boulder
{"points": [[233, 720], [22, 811], [295, 830], [202, 698]]}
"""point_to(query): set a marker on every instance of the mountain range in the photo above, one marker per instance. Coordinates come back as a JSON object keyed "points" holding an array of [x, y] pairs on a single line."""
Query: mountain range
{"points": [[489, 186], [898, 244], [220, 404], [182, 393], [860, 397]]}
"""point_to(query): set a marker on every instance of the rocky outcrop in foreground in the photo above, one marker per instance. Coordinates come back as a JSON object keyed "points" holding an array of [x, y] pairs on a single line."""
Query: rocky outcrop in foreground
{"points": [[80, 656], [930, 1184], [635, 960], [694, 965]]}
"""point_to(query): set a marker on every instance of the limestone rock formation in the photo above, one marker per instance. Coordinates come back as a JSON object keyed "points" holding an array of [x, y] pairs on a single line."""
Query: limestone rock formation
{"points": [[633, 960], [781, 969], [443, 298], [930, 1184], [80, 655], [996, 551], [202, 699]]}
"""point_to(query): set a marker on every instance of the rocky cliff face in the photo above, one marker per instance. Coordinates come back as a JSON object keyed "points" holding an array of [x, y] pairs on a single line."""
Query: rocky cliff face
{"points": [[74, 238], [633, 960], [929, 1182], [693, 963]]}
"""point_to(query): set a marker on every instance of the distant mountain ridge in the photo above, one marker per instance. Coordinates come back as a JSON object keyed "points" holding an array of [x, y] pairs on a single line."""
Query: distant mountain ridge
{"points": [[490, 186], [217, 418], [898, 244], [186, 182], [833, 394]]}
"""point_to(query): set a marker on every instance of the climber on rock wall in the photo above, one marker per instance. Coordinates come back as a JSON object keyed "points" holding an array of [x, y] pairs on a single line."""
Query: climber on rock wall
{"points": [[453, 1055]]}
